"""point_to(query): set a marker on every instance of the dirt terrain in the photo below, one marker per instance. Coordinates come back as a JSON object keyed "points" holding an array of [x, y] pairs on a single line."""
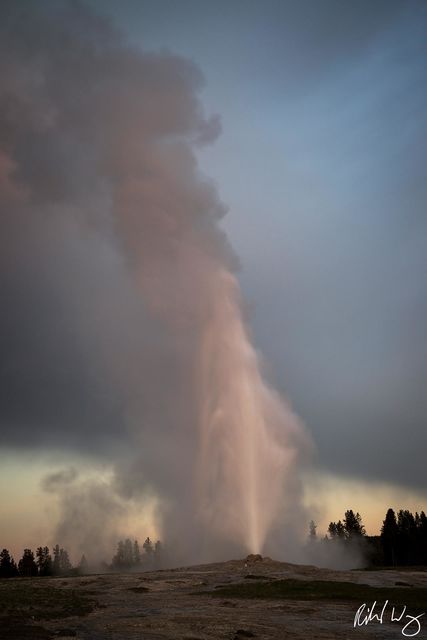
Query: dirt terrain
{"points": [[233, 600]]}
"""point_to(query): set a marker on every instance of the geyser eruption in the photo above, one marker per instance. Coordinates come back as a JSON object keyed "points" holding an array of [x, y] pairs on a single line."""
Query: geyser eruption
{"points": [[111, 234], [249, 438]]}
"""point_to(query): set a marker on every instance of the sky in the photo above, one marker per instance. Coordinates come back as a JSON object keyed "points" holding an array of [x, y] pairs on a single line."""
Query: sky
{"points": [[311, 129]]}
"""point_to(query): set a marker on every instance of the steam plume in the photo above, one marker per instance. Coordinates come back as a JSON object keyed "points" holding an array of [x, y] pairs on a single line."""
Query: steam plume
{"points": [[103, 204]]}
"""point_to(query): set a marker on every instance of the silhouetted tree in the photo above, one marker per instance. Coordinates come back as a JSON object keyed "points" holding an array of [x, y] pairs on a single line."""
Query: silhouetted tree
{"points": [[8, 568], [56, 565], [336, 530], [128, 554], [148, 559], [44, 561], [353, 526], [389, 532], [419, 547], [124, 559], [61, 561], [406, 537], [148, 547], [402, 536], [27, 566], [119, 559], [422, 537], [64, 561]]}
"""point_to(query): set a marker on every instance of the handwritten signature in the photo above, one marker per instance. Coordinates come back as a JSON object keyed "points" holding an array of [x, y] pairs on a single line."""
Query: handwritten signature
{"points": [[374, 613]]}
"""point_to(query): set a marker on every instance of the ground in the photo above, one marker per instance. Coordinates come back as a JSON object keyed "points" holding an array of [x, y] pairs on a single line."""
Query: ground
{"points": [[234, 600]]}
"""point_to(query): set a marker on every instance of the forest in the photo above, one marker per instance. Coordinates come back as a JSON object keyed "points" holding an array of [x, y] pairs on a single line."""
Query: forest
{"points": [[128, 557], [401, 543]]}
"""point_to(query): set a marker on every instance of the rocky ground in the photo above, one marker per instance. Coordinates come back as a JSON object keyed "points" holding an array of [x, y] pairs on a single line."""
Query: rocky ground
{"points": [[231, 600]]}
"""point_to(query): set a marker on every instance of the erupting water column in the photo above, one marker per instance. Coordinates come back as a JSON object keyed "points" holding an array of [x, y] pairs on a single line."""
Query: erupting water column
{"points": [[248, 435]]}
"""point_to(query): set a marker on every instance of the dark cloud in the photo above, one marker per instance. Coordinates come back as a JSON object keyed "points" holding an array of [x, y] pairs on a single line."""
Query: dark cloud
{"points": [[74, 98], [275, 46]]}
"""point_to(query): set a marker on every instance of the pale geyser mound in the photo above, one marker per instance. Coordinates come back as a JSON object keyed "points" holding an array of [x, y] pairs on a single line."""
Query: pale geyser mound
{"points": [[109, 225]]}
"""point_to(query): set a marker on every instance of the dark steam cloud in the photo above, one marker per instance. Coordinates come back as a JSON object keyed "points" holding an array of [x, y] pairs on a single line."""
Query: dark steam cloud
{"points": [[59, 479], [78, 110]]}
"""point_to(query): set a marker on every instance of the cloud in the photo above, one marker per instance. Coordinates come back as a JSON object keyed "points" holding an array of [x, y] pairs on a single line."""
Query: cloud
{"points": [[123, 334]]}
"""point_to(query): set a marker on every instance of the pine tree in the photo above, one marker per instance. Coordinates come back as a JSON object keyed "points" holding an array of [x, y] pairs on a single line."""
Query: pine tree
{"points": [[148, 559], [8, 568], [56, 565], [406, 536], [118, 562], [389, 533], [61, 561], [64, 561], [422, 533], [353, 526], [336, 530], [128, 554], [27, 566], [44, 561], [148, 547]]}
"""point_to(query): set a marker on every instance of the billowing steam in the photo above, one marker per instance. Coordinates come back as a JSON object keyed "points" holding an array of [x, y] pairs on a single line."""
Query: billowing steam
{"points": [[135, 346]]}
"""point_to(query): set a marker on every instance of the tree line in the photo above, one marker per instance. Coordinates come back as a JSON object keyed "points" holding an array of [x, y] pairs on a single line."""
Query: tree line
{"points": [[404, 538], [42, 564], [127, 558], [402, 541]]}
